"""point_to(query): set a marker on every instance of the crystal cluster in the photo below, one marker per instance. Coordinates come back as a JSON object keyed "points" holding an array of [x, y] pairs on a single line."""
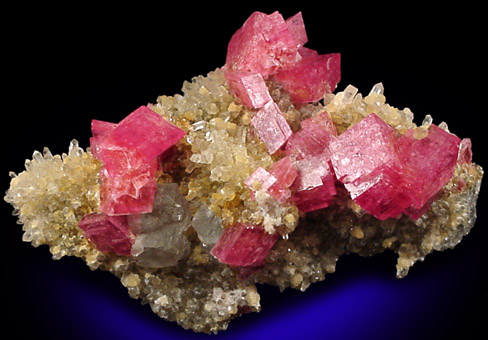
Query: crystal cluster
{"points": [[257, 173], [129, 153]]}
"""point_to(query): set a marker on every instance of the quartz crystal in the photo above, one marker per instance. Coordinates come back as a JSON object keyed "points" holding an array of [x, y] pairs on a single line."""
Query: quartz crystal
{"points": [[270, 184]]}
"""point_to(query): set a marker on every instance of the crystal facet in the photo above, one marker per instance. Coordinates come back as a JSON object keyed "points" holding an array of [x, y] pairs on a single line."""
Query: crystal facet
{"points": [[129, 152], [160, 240], [244, 245], [108, 233], [271, 126], [311, 78], [207, 225]]}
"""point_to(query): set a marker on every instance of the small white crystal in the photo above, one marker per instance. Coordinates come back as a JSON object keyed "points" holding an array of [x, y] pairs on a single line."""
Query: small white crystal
{"points": [[348, 94], [378, 89], [444, 126], [427, 121]]}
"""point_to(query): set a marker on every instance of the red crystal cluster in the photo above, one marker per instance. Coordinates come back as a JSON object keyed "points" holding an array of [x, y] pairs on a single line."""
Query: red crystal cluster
{"points": [[268, 46], [385, 173], [129, 152]]}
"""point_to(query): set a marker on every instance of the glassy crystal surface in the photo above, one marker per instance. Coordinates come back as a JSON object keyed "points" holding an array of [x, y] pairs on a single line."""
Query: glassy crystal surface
{"points": [[244, 245], [160, 235], [108, 233], [207, 225]]}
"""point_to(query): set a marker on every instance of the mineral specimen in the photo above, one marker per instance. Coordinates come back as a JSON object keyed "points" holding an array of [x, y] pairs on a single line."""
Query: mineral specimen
{"points": [[271, 184]]}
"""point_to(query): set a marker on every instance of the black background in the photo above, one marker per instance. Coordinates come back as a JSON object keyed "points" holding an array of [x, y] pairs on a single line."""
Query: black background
{"points": [[63, 67]]}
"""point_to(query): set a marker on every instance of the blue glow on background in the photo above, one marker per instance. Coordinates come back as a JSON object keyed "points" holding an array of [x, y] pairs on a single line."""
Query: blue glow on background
{"points": [[366, 306]]}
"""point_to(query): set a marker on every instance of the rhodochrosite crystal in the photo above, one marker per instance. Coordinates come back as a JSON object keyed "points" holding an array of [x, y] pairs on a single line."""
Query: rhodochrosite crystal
{"points": [[431, 160], [129, 152], [311, 77], [256, 174], [108, 233], [271, 126], [244, 245], [262, 45], [267, 45]]}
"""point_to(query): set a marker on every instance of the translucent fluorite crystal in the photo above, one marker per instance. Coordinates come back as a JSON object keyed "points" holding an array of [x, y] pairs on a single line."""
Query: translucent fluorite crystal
{"points": [[160, 235], [262, 189], [207, 225]]}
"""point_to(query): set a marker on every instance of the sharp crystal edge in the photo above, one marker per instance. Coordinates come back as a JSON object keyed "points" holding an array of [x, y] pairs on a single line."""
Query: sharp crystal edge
{"points": [[257, 173]]}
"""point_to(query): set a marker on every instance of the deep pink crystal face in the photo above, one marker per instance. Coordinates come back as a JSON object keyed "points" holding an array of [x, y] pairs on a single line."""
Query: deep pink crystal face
{"points": [[244, 245], [271, 126], [285, 173], [108, 233], [363, 149], [388, 174], [366, 159], [316, 198], [145, 132], [262, 45], [322, 120], [267, 45], [311, 77], [314, 187], [431, 160], [277, 181], [296, 26], [120, 195], [315, 184], [130, 154], [313, 139]]}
